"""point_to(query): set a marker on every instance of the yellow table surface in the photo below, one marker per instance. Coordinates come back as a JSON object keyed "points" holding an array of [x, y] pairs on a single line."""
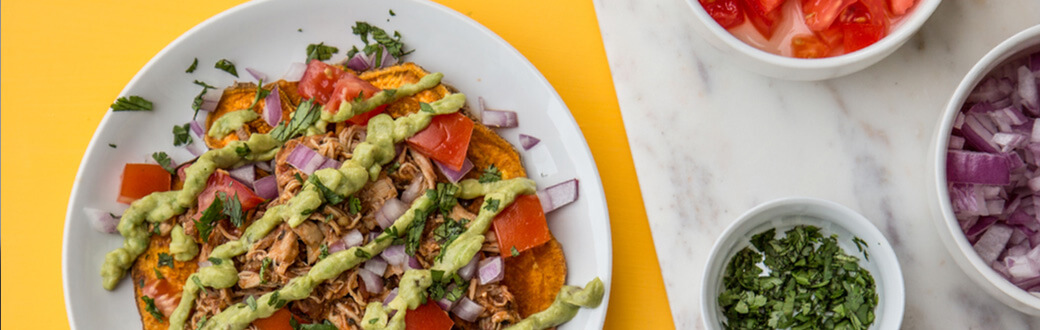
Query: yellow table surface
{"points": [[64, 62]]}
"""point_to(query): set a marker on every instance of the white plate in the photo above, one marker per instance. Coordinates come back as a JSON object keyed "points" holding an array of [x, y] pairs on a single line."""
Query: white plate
{"points": [[264, 35]]}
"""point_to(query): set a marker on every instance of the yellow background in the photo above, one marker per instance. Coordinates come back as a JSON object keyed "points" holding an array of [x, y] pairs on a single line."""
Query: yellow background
{"points": [[63, 62]]}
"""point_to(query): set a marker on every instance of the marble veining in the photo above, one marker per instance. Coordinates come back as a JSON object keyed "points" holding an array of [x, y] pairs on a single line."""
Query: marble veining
{"points": [[711, 140]]}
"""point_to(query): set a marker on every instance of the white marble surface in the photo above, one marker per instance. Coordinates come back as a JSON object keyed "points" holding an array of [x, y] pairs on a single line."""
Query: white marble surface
{"points": [[711, 140]]}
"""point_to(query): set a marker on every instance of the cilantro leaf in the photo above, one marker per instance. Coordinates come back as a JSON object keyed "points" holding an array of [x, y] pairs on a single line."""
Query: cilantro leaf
{"points": [[209, 217], [227, 66], [215, 261], [112, 145], [149, 304], [514, 252], [164, 160], [324, 251], [320, 52], [251, 302], [491, 204], [331, 197], [165, 260], [491, 174], [305, 116], [180, 134], [355, 205], [232, 208], [260, 94], [131, 103], [362, 254], [393, 44], [263, 269], [194, 64]]}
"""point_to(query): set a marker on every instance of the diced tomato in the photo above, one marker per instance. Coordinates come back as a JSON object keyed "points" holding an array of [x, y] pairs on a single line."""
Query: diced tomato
{"points": [[162, 292], [521, 225], [221, 181], [428, 316], [762, 7], [809, 46], [347, 89], [862, 26], [820, 14], [763, 21], [900, 7], [319, 80], [832, 36], [139, 180], [280, 320], [726, 12], [446, 139]]}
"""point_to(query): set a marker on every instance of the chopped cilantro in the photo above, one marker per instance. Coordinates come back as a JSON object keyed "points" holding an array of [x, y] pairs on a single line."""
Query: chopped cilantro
{"points": [[392, 13], [197, 103], [263, 269], [242, 150], [274, 298], [320, 52], [381, 38], [392, 168], [227, 66], [327, 194], [260, 94], [491, 204], [164, 160], [112, 145], [447, 232], [491, 174], [202, 322], [131, 103], [425, 107], [151, 309], [216, 261], [362, 254], [355, 205], [209, 217], [181, 134], [304, 117], [165, 260], [325, 251], [158, 274], [299, 179], [198, 283], [513, 251], [194, 64], [251, 302], [232, 208]]}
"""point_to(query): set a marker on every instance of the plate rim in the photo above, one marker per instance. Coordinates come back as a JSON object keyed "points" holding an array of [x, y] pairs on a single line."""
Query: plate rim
{"points": [[597, 206]]}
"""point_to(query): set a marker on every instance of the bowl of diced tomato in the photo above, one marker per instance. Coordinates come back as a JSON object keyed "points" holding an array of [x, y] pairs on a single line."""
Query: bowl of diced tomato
{"points": [[809, 39]]}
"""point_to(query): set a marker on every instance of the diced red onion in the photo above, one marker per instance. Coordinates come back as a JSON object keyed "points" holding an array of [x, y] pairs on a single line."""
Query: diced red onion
{"points": [[445, 303], [197, 147], [330, 163], [295, 71], [259, 76], [558, 195], [391, 210], [376, 265], [305, 159], [991, 244], [196, 127], [480, 107], [453, 175], [413, 263], [1027, 89], [956, 142], [491, 270], [977, 167], [273, 107], [353, 238], [266, 187], [266, 166], [359, 62], [388, 59], [467, 309], [528, 141], [390, 297], [245, 174], [499, 118], [337, 246], [210, 99], [102, 221], [373, 281], [413, 191], [467, 271], [395, 255]]}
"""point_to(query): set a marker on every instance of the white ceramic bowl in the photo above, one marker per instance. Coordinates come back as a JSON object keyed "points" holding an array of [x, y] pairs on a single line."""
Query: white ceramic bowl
{"points": [[949, 229], [791, 68], [832, 218]]}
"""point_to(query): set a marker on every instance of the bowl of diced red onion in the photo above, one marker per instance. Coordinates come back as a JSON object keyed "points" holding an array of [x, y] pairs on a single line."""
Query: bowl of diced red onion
{"points": [[809, 39], [987, 172]]}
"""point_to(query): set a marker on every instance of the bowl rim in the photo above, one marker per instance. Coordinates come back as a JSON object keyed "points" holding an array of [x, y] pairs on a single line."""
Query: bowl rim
{"points": [[885, 258], [947, 224], [910, 25]]}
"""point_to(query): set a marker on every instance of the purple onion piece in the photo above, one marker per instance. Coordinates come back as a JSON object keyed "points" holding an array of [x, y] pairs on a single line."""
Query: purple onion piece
{"points": [[395, 255], [491, 270], [266, 187], [259, 76], [453, 175], [245, 174], [558, 195], [373, 282], [528, 141], [305, 159], [499, 118], [467, 310], [376, 265], [273, 107], [359, 62], [102, 221], [467, 271], [353, 238]]}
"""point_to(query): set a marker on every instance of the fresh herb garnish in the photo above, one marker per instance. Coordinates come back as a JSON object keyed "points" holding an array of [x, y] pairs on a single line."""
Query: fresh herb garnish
{"points": [[393, 168], [131, 103], [251, 302], [203, 84], [215, 261], [381, 38], [330, 196], [324, 251], [197, 103], [305, 116], [274, 299], [443, 197], [164, 160], [112, 145], [320, 52], [227, 66], [362, 254], [181, 135], [260, 94], [243, 150], [861, 245], [491, 204], [491, 174], [211, 215], [198, 283], [447, 232], [158, 274], [373, 321], [413, 237], [808, 281], [194, 64], [263, 269], [299, 179], [354, 206], [149, 306], [425, 107], [232, 208], [202, 322], [326, 325], [392, 13], [165, 260]]}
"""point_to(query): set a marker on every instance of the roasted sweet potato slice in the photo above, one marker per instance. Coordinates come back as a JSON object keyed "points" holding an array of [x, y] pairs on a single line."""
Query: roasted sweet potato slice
{"points": [[239, 97], [535, 276], [398, 75], [144, 272]]}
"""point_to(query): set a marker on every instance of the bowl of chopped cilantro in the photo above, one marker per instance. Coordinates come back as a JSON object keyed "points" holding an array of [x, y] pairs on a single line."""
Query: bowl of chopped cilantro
{"points": [[797, 262]]}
